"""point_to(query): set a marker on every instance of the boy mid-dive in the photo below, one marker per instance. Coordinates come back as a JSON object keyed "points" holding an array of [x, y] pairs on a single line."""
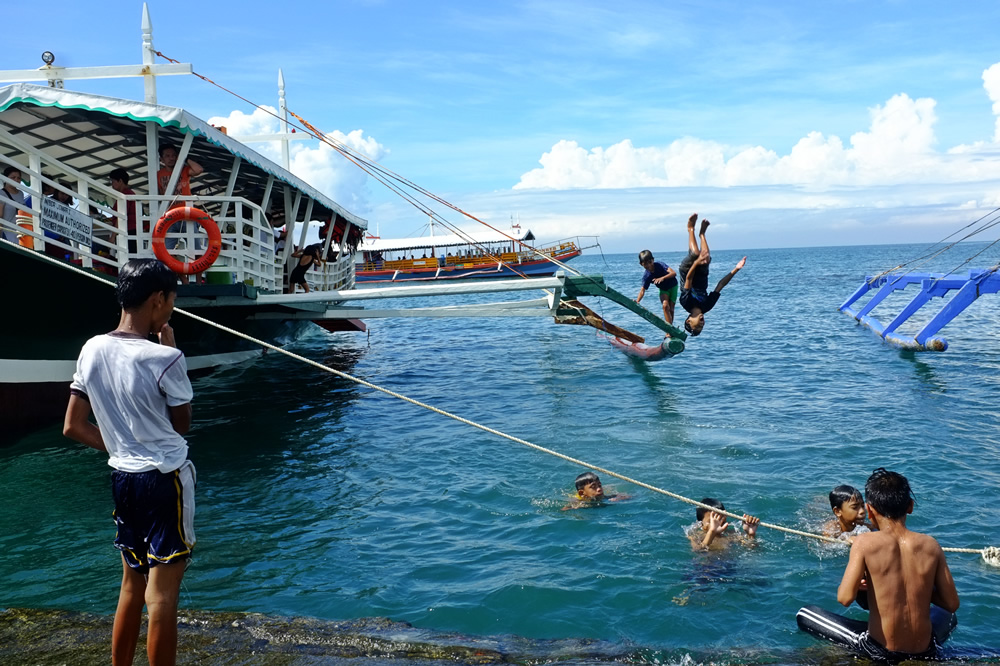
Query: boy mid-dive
{"points": [[693, 272]]}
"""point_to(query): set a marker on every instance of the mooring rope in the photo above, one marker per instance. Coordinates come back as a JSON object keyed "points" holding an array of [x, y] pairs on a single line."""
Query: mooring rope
{"points": [[990, 555]]}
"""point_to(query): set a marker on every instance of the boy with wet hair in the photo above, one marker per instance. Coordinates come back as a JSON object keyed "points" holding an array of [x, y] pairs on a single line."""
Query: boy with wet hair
{"points": [[590, 492], [849, 512], [906, 572], [714, 526], [693, 272], [140, 395], [664, 277]]}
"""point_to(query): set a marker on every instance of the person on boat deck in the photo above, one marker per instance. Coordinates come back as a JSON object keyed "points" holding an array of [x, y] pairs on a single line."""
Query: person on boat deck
{"points": [[140, 395], [119, 183], [904, 572], [9, 195], [693, 271], [307, 256], [590, 492], [168, 158], [711, 530], [664, 277], [848, 514]]}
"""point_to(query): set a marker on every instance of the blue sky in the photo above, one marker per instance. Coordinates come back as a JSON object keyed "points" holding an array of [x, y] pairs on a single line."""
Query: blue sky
{"points": [[787, 124]]}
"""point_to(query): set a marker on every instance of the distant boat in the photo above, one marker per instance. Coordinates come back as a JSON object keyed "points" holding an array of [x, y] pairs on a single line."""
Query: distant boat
{"points": [[468, 255]]}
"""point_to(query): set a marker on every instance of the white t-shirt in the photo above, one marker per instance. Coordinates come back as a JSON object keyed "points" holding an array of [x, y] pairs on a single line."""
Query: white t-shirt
{"points": [[130, 382]]}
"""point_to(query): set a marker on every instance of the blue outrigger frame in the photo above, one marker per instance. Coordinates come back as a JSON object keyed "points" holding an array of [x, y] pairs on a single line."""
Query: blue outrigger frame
{"points": [[970, 287]]}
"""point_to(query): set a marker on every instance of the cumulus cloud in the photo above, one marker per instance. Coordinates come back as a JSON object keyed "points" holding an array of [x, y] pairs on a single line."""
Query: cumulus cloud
{"points": [[317, 163], [898, 147]]}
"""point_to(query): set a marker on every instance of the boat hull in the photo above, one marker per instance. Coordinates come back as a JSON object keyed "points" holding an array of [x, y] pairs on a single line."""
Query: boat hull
{"points": [[466, 271], [56, 310]]}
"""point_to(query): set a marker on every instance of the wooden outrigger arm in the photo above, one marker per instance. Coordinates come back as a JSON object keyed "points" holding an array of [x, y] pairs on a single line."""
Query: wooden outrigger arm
{"points": [[969, 288]]}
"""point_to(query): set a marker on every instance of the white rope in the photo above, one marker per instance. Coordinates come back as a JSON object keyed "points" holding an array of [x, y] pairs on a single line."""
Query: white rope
{"points": [[991, 554]]}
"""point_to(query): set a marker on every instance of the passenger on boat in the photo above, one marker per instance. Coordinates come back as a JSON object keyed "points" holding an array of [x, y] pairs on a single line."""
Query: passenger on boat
{"points": [[61, 195], [711, 530], [168, 158], [308, 256], [664, 277], [906, 571], [140, 395], [10, 193], [694, 296], [119, 183], [590, 492]]}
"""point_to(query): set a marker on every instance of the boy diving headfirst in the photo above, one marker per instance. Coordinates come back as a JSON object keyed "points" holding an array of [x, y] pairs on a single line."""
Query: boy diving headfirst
{"points": [[693, 271]]}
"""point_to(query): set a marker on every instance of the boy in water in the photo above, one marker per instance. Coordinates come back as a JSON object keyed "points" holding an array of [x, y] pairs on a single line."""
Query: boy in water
{"points": [[664, 277], [590, 492], [141, 397], [693, 272], [714, 526], [906, 572], [849, 513]]}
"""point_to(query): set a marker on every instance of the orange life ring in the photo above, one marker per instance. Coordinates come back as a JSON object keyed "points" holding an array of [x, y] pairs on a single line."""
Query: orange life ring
{"points": [[189, 214]]}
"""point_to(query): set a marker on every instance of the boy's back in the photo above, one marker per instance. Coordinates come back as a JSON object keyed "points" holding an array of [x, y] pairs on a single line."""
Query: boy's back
{"points": [[903, 568]]}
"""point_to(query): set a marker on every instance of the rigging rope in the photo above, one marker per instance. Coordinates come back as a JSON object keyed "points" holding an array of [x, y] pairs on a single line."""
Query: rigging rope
{"points": [[991, 555]]}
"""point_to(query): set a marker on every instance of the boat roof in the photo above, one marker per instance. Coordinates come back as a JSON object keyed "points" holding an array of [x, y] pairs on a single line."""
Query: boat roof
{"points": [[478, 237], [95, 134]]}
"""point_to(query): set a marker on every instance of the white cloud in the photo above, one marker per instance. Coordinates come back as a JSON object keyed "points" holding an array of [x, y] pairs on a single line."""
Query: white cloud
{"points": [[317, 163], [898, 147]]}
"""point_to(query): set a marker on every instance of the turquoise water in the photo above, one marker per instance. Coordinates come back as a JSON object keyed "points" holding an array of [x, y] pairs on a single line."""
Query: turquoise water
{"points": [[321, 498]]}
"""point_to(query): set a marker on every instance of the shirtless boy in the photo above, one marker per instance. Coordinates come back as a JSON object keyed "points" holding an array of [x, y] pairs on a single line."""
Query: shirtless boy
{"points": [[693, 274], [848, 513], [905, 573]]}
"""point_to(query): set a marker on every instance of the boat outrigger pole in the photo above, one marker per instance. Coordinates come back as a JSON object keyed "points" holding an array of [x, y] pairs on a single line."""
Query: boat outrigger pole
{"points": [[969, 287]]}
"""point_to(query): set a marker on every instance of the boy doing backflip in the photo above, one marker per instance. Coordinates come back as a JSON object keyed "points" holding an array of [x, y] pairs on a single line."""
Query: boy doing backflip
{"points": [[664, 277], [141, 397], [693, 272], [904, 572]]}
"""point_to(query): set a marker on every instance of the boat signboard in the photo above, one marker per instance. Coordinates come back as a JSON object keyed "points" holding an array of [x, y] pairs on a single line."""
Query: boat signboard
{"points": [[66, 221]]}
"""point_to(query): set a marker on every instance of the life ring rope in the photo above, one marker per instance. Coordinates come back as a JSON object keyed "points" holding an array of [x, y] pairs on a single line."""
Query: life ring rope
{"points": [[187, 214]]}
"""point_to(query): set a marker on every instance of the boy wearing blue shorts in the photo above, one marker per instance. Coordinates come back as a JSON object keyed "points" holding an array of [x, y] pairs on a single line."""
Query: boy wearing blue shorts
{"points": [[664, 277], [140, 395]]}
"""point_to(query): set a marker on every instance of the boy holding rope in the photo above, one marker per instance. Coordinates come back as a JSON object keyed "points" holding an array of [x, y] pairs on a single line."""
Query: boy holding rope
{"points": [[714, 526], [140, 394], [905, 571]]}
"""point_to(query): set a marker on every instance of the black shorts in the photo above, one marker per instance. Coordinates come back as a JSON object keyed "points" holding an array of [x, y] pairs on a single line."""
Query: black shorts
{"points": [[298, 275], [869, 648], [154, 514]]}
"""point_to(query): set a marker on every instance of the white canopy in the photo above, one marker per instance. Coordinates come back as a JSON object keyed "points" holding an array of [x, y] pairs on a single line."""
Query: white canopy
{"points": [[94, 134]]}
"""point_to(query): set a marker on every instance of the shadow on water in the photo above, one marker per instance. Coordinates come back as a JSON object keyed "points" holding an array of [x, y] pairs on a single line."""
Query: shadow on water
{"points": [[58, 637], [924, 372]]}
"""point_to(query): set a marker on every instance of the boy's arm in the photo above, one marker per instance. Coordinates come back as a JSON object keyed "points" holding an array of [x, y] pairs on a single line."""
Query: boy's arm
{"points": [[944, 595], [750, 524], [642, 292], [195, 168], [853, 574], [77, 425], [180, 418], [730, 275], [690, 274]]}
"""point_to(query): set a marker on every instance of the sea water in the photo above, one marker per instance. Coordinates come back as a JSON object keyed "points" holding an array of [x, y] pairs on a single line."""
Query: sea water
{"points": [[321, 498]]}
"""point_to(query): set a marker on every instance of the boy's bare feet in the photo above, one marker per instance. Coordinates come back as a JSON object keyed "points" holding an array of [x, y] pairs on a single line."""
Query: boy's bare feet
{"points": [[743, 262], [704, 226], [692, 220]]}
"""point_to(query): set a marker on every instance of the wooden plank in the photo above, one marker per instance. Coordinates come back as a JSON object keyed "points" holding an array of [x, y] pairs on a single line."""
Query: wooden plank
{"points": [[593, 285]]}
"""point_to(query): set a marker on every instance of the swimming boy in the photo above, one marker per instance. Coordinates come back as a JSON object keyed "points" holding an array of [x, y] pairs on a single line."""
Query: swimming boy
{"points": [[849, 513], [693, 272], [590, 492], [664, 277], [715, 527], [141, 397], [906, 572]]}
